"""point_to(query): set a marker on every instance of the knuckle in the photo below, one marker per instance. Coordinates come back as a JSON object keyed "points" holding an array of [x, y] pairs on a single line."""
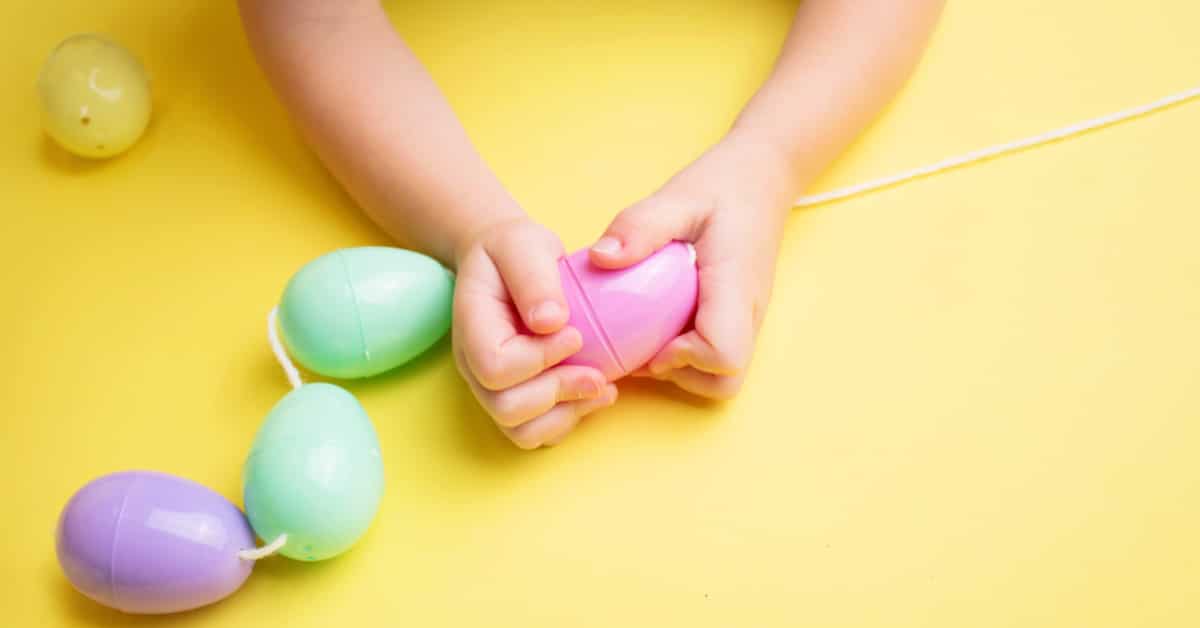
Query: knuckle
{"points": [[633, 219], [533, 276], [589, 408], [490, 369], [576, 386], [565, 386], [732, 361], [727, 388], [548, 361], [506, 409], [651, 205], [550, 240], [634, 222], [511, 237], [522, 439], [665, 206], [627, 220], [529, 237]]}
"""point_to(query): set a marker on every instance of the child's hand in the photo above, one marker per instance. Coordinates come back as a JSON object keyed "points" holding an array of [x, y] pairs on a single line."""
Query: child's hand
{"points": [[731, 203], [508, 270]]}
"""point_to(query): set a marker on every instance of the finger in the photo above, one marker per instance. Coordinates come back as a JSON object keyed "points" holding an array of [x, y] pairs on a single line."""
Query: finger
{"points": [[521, 357], [513, 406], [722, 340], [693, 350], [495, 353], [528, 264], [719, 387], [553, 426], [608, 397], [642, 229]]}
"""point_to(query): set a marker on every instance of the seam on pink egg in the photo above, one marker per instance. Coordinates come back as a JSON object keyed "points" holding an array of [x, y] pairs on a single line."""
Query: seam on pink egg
{"points": [[362, 333], [590, 314]]}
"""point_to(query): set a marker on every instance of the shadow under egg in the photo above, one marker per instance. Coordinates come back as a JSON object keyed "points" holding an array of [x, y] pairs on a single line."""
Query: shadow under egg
{"points": [[61, 160], [77, 609]]}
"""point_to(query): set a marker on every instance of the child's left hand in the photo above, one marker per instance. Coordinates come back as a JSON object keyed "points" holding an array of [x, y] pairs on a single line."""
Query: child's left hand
{"points": [[731, 203]]}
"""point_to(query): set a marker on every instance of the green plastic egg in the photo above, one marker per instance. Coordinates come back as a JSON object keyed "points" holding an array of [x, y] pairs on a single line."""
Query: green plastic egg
{"points": [[362, 311], [95, 96], [314, 473]]}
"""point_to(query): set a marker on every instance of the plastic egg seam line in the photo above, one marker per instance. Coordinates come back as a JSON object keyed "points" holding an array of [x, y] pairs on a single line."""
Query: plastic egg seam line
{"points": [[983, 154], [112, 548], [590, 314], [362, 333]]}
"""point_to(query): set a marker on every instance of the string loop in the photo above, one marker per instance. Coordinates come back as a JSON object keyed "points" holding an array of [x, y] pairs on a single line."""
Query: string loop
{"points": [[982, 154], [281, 356], [260, 553]]}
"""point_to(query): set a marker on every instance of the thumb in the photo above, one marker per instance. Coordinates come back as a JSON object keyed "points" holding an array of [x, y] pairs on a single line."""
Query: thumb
{"points": [[642, 229]]}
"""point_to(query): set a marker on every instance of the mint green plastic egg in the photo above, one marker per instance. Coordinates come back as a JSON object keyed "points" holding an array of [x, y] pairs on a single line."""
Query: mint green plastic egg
{"points": [[314, 473], [361, 311]]}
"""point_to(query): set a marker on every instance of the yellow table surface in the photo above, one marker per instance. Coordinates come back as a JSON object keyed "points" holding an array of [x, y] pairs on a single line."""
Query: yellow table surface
{"points": [[975, 402]]}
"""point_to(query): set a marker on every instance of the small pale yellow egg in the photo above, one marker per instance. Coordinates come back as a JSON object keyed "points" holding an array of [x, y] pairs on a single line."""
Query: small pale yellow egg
{"points": [[95, 96]]}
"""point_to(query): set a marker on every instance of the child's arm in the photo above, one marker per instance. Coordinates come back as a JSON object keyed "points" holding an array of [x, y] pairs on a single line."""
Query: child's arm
{"points": [[377, 120], [843, 60], [382, 127]]}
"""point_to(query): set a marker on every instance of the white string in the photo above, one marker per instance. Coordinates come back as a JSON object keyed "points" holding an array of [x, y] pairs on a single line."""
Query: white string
{"points": [[976, 156], [281, 356], [260, 553]]}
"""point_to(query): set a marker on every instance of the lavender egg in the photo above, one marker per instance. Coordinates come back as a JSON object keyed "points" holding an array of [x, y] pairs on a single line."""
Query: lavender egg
{"points": [[148, 542]]}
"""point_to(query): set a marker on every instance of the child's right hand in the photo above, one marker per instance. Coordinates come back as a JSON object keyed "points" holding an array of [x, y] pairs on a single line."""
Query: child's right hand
{"points": [[507, 270]]}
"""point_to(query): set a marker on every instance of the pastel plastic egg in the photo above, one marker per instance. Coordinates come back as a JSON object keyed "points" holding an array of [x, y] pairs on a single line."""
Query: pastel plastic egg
{"points": [[95, 96], [627, 315], [314, 473], [147, 542], [362, 311]]}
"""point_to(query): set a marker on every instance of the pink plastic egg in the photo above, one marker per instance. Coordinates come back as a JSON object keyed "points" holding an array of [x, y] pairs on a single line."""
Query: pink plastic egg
{"points": [[147, 542], [626, 316]]}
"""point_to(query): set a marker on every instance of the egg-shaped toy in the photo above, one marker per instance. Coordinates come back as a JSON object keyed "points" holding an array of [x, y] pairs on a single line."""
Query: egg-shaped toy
{"points": [[627, 315], [95, 96], [148, 542], [314, 473], [361, 311]]}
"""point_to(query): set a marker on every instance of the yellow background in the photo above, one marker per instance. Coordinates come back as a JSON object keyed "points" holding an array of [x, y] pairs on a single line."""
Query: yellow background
{"points": [[975, 400]]}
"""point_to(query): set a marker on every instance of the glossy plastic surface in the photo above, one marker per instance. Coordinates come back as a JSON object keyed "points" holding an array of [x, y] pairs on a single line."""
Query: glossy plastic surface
{"points": [[314, 472], [95, 96], [148, 542], [361, 311], [626, 316]]}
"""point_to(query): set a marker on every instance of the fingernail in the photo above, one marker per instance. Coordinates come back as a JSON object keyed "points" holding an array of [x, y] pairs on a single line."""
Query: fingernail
{"points": [[607, 245], [589, 389], [547, 312]]}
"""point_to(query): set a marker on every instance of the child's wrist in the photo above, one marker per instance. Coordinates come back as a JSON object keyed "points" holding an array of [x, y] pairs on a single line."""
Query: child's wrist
{"points": [[484, 221], [765, 153]]}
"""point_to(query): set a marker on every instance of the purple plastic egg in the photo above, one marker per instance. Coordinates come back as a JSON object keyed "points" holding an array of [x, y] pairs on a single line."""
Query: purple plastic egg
{"points": [[148, 542]]}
